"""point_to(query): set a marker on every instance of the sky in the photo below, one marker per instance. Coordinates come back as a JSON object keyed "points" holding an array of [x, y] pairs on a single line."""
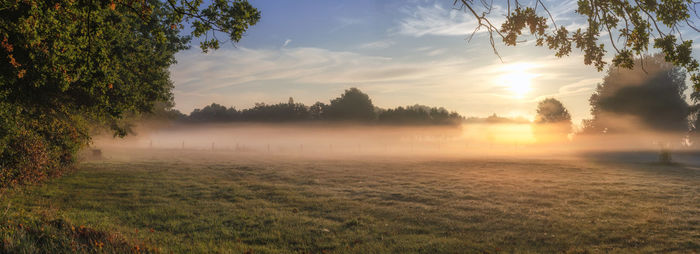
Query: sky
{"points": [[400, 52]]}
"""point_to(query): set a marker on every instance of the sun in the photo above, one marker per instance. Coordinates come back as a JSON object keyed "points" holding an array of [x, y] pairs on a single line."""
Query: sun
{"points": [[517, 78]]}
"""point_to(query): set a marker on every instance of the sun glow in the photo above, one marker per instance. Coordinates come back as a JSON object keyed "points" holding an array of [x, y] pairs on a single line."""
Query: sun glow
{"points": [[517, 78]]}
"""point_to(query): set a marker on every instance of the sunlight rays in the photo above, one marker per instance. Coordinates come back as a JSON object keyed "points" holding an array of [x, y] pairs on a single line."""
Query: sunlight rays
{"points": [[516, 78]]}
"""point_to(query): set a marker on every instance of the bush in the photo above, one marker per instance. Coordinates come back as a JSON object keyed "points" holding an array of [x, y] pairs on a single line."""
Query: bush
{"points": [[24, 159], [35, 147]]}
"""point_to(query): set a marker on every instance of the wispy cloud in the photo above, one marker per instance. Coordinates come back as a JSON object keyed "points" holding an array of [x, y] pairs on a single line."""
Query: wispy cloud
{"points": [[226, 69], [467, 84], [231, 73], [344, 22], [581, 87], [561, 9], [436, 52], [380, 44], [439, 20]]}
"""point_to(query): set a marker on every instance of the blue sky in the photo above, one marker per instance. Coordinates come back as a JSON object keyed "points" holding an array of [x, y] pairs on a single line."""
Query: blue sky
{"points": [[399, 52]]}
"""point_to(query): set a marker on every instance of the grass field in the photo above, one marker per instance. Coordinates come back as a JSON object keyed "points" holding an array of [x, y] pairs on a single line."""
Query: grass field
{"points": [[222, 203]]}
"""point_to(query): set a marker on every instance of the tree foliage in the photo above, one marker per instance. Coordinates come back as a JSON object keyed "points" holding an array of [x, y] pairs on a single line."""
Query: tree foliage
{"points": [[553, 121], [630, 27], [214, 113], [68, 65], [496, 119], [281, 112], [551, 110], [653, 98], [418, 115], [352, 105]]}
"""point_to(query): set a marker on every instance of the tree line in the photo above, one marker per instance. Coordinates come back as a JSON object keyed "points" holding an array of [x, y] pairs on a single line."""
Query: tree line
{"points": [[351, 106]]}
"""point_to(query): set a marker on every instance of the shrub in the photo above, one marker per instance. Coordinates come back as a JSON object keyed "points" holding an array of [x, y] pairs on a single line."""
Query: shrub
{"points": [[34, 147]]}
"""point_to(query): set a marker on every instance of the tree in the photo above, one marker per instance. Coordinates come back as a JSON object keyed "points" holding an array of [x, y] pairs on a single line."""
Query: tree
{"points": [[495, 119], [281, 112], [214, 113], [640, 99], [419, 115], [551, 110], [68, 65], [162, 111], [553, 121], [629, 26], [318, 110], [353, 105]]}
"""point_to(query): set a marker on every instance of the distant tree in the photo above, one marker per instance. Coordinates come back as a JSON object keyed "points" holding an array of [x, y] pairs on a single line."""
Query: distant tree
{"points": [[551, 110], [553, 121], [651, 97], [318, 111], [215, 113], [629, 27], [418, 115], [496, 119], [352, 105], [281, 112]]}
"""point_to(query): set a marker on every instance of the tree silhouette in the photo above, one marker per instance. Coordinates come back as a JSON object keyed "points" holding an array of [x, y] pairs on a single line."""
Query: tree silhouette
{"points": [[352, 105], [281, 112], [651, 98], [215, 113], [318, 111], [551, 110], [553, 121], [418, 115]]}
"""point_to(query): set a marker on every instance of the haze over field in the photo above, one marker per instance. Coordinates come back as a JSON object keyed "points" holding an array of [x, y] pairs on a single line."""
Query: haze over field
{"points": [[322, 140], [640, 109], [349, 126]]}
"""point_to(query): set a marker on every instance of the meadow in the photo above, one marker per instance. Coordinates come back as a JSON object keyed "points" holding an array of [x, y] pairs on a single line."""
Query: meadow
{"points": [[172, 201]]}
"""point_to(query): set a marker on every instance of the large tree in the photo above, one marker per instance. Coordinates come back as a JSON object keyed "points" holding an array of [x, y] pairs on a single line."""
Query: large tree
{"points": [[629, 26], [66, 65], [649, 99]]}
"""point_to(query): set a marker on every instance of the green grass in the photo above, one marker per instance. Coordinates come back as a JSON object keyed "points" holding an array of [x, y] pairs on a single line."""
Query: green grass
{"points": [[200, 202]]}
